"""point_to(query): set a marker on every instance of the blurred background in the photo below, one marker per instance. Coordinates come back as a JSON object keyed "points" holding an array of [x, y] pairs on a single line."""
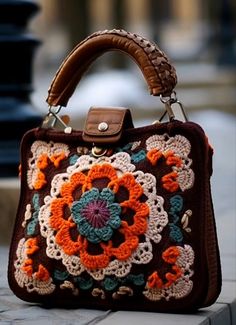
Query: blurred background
{"points": [[199, 37]]}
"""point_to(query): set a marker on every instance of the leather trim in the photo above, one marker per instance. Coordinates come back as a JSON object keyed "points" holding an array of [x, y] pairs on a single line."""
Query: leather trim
{"points": [[159, 73], [116, 119]]}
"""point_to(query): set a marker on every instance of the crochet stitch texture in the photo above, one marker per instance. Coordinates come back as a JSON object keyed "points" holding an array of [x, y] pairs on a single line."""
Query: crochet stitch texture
{"points": [[101, 220]]}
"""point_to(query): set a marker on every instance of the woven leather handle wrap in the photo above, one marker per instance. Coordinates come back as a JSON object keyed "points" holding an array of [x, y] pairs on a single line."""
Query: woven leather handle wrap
{"points": [[160, 75]]}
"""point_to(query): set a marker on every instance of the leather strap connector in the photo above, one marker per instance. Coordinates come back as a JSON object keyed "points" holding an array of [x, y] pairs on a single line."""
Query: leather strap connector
{"points": [[105, 125]]}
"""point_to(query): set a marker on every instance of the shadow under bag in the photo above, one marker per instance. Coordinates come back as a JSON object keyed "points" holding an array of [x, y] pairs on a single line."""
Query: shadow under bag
{"points": [[114, 216]]}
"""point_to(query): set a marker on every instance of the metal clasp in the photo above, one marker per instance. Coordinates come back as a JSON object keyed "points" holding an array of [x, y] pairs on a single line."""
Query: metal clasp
{"points": [[53, 120], [169, 102]]}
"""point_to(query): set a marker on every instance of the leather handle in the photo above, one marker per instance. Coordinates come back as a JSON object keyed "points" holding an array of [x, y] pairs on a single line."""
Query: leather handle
{"points": [[160, 75]]}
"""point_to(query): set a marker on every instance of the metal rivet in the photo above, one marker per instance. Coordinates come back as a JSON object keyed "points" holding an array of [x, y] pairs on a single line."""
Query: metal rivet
{"points": [[103, 126]]}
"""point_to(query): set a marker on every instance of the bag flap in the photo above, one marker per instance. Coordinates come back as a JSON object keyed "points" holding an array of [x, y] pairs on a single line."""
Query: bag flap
{"points": [[105, 125]]}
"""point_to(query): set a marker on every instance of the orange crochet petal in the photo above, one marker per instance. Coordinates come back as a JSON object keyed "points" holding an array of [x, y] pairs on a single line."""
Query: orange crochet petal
{"points": [[127, 181], [40, 181], [98, 172], [63, 238], [42, 274], [28, 267], [172, 277], [172, 160], [124, 251], [42, 161], [76, 180], [93, 261], [31, 246], [58, 206], [170, 255], [57, 158], [154, 155], [169, 182], [139, 225], [154, 281]]}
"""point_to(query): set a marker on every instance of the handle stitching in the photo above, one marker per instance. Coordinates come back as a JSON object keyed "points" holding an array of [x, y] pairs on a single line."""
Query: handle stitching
{"points": [[155, 55], [158, 60]]}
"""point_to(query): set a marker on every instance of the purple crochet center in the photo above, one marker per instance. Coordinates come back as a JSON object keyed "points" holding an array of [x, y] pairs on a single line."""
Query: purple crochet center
{"points": [[96, 213]]}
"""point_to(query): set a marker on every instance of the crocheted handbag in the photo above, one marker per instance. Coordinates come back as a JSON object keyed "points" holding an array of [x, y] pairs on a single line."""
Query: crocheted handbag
{"points": [[115, 217]]}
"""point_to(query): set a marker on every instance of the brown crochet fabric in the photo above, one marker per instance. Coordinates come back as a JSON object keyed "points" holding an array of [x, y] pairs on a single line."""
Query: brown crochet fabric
{"points": [[149, 282]]}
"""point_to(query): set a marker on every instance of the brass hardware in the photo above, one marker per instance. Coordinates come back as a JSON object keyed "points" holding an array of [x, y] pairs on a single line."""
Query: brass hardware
{"points": [[98, 151]]}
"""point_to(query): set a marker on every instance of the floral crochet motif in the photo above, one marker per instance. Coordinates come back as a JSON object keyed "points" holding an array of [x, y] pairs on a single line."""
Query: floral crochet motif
{"points": [[100, 224], [177, 283], [43, 154], [132, 216], [39, 281], [96, 215], [175, 151]]}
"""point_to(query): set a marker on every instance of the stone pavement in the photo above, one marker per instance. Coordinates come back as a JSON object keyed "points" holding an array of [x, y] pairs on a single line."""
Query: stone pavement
{"points": [[221, 130]]}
